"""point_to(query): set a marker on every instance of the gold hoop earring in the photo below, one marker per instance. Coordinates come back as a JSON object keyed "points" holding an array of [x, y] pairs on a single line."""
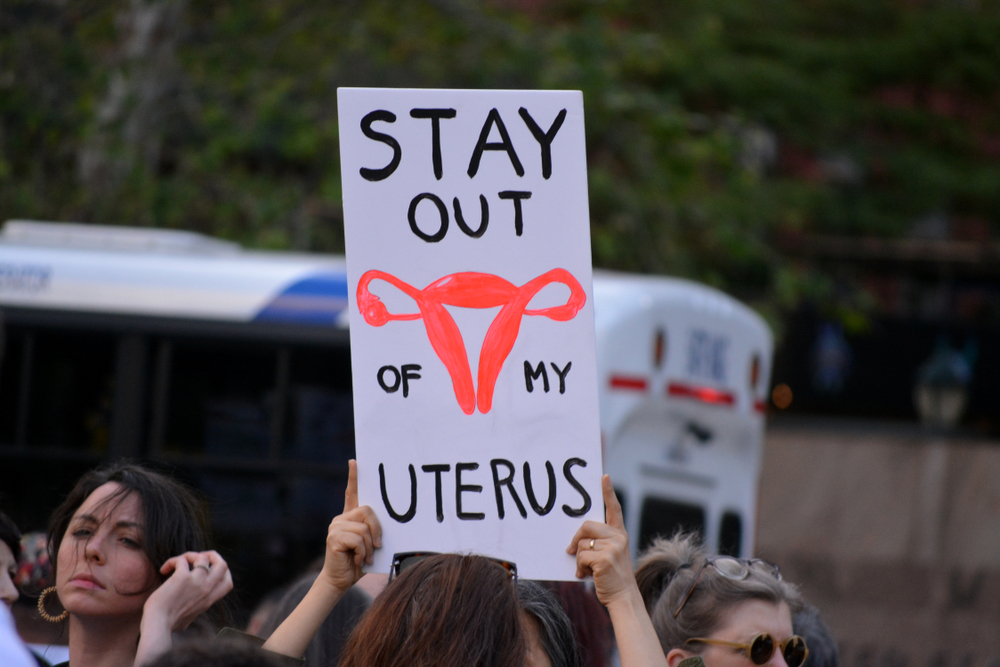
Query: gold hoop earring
{"points": [[44, 614]]}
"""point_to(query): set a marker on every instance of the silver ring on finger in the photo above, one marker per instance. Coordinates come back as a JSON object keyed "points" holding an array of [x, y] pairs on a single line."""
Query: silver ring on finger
{"points": [[204, 567]]}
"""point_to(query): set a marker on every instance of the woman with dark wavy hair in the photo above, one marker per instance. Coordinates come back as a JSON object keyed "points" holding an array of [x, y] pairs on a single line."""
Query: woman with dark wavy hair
{"points": [[131, 565]]}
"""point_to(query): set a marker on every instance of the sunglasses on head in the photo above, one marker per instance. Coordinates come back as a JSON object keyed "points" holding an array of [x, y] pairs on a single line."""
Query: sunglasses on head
{"points": [[729, 567], [761, 648], [403, 561]]}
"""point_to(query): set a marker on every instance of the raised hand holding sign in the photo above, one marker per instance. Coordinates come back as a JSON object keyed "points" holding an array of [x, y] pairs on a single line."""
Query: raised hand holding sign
{"points": [[351, 542]]}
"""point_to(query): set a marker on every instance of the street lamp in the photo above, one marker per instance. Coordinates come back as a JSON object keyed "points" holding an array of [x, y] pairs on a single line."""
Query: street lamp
{"points": [[941, 392]]}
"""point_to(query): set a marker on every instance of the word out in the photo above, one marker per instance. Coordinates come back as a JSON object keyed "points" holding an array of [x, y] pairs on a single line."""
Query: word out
{"points": [[504, 473], [484, 216]]}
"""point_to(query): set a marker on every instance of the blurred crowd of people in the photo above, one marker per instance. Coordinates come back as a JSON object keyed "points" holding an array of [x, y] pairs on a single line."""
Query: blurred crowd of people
{"points": [[125, 575]]}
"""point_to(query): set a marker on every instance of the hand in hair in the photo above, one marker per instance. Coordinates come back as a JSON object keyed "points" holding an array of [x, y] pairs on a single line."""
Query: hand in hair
{"points": [[610, 563], [350, 543], [196, 581]]}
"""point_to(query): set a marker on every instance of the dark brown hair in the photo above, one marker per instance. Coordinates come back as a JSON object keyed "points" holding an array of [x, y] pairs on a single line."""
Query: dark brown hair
{"points": [[217, 653], [10, 535], [445, 611], [174, 518], [590, 621]]}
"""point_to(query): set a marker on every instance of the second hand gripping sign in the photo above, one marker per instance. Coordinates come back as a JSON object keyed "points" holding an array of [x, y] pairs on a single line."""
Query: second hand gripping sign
{"points": [[472, 324]]}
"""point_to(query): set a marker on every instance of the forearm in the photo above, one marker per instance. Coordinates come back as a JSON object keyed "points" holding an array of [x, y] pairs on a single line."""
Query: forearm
{"points": [[638, 645], [155, 638], [292, 637]]}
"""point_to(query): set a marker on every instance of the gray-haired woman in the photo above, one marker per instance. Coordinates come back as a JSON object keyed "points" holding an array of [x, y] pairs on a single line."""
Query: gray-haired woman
{"points": [[732, 612]]}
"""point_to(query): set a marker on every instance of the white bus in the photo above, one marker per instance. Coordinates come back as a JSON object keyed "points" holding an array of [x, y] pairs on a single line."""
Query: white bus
{"points": [[234, 367]]}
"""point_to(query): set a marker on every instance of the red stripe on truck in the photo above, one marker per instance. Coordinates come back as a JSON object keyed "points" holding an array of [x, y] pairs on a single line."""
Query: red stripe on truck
{"points": [[703, 394], [628, 382]]}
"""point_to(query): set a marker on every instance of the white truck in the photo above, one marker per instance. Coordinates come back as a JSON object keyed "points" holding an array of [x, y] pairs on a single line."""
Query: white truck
{"points": [[684, 372]]}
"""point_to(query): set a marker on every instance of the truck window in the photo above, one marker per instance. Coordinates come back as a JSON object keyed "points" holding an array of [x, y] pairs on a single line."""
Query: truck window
{"points": [[11, 367], [730, 534], [663, 518]]}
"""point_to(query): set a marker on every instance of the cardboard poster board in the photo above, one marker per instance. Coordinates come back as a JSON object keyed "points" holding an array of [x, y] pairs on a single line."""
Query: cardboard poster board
{"points": [[472, 326]]}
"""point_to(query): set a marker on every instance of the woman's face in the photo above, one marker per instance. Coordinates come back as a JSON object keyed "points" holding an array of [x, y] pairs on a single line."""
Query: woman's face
{"points": [[101, 567], [8, 568], [537, 657], [744, 622]]}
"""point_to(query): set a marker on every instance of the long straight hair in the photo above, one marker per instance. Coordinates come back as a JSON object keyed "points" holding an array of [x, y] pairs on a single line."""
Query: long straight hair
{"points": [[554, 627], [445, 611]]}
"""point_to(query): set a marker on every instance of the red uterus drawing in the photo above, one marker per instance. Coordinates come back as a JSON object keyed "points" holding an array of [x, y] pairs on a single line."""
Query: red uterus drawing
{"points": [[471, 290]]}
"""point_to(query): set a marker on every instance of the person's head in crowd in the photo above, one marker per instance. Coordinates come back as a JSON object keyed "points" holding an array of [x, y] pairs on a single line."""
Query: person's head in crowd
{"points": [[264, 611], [590, 621], [34, 567], [732, 612], [113, 533], [328, 644], [10, 550], [822, 644], [128, 520], [444, 611], [548, 630], [217, 653]]}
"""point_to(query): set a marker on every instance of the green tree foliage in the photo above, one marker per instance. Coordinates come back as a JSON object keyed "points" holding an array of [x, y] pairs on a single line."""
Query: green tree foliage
{"points": [[715, 127]]}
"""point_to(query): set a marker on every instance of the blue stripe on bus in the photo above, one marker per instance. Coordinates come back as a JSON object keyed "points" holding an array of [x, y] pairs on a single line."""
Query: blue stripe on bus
{"points": [[318, 299]]}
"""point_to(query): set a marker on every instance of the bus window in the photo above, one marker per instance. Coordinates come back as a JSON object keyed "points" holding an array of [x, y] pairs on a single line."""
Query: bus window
{"points": [[319, 417], [730, 534], [663, 518], [221, 399], [11, 367], [242, 503], [70, 384]]}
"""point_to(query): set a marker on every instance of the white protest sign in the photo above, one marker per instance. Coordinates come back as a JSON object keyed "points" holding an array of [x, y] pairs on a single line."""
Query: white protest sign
{"points": [[472, 326]]}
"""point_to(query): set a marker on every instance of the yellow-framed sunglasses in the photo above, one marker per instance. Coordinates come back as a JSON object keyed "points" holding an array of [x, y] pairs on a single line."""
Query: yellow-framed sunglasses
{"points": [[761, 648]]}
